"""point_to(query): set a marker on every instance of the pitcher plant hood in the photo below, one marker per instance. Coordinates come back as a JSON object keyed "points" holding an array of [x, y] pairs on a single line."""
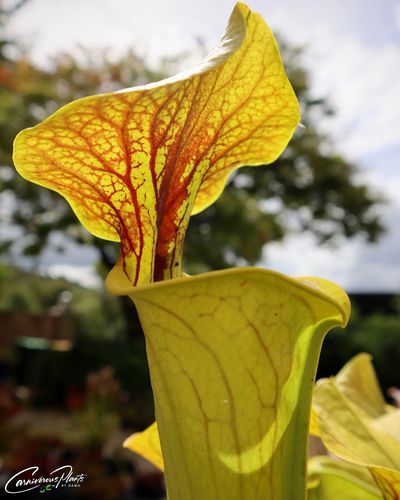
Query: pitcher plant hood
{"points": [[135, 164]]}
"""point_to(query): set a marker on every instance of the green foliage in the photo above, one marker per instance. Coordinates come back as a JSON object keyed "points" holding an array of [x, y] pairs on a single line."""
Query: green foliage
{"points": [[128, 358], [95, 313], [49, 375], [100, 339], [378, 335]]}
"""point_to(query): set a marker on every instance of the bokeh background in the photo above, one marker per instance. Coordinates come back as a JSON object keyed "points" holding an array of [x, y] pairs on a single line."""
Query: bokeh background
{"points": [[73, 374]]}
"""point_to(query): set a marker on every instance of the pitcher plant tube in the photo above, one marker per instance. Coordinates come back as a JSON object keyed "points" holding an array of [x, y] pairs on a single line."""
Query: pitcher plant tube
{"points": [[233, 353]]}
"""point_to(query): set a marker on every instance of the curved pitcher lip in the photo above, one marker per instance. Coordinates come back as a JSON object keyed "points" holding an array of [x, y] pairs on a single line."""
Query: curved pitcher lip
{"points": [[308, 284]]}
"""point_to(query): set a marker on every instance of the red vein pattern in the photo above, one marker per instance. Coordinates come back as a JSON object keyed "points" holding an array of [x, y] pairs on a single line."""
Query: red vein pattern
{"points": [[135, 164]]}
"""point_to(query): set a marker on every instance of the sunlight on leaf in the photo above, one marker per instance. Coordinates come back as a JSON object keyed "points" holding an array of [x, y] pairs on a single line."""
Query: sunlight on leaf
{"points": [[135, 164], [147, 444], [314, 430], [233, 356], [355, 424], [339, 480], [357, 381]]}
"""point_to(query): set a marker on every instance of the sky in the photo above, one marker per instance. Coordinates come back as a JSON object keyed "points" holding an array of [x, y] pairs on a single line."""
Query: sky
{"points": [[353, 55]]}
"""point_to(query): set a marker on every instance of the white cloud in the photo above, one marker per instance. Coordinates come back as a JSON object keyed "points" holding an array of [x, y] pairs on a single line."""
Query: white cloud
{"points": [[354, 265], [83, 275], [362, 83], [358, 71], [397, 15]]}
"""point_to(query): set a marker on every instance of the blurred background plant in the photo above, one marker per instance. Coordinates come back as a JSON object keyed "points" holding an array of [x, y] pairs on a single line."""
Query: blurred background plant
{"points": [[60, 400]]}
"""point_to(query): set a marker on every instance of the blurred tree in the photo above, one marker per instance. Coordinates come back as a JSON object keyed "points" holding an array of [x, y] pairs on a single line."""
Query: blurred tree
{"points": [[377, 334], [95, 313], [310, 188]]}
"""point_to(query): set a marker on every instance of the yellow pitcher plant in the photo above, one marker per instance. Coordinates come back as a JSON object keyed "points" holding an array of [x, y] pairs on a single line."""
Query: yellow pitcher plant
{"points": [[356, 424], [232, 354]]}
